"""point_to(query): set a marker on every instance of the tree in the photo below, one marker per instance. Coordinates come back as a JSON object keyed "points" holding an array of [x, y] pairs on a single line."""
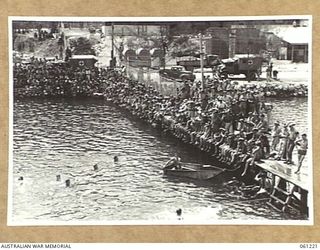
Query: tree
{"points": [[82, 46]]}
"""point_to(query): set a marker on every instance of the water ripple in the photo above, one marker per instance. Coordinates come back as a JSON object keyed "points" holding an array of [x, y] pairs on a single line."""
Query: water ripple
{"points": [[69, 137]]}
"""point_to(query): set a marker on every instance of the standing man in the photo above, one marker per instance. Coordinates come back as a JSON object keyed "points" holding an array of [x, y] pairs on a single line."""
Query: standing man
{"points": [[302, 150], [270, 70], [291, 142], [275, 136]]}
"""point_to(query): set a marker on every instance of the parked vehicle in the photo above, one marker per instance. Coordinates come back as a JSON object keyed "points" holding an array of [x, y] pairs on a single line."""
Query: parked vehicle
{"points": [[192, 62], [249, 65], [207, 73], [177, 73]]}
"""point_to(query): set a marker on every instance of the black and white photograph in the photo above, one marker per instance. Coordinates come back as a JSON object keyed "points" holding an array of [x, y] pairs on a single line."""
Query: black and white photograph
{"points": [[160, 121]]}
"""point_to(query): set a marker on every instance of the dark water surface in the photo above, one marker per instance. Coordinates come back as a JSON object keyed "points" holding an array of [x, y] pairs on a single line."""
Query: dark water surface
{"points": [[66, 137]]}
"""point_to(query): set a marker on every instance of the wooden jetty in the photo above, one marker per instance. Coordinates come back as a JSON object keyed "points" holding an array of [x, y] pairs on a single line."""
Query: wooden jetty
{"points": [[289, 190]]}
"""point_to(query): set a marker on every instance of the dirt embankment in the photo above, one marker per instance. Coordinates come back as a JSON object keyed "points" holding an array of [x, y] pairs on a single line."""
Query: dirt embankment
{"points": [[29, 45]]}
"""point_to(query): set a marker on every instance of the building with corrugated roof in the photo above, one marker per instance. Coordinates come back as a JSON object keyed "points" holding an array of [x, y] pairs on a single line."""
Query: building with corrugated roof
{"points": [[290, 43], [296, 40]]}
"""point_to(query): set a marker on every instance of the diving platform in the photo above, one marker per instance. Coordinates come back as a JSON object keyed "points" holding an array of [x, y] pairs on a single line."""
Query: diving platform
{"points": [[289, 190]]}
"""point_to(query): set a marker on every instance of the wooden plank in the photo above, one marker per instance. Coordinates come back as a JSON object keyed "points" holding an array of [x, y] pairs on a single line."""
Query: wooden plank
{"points": [[286, 172], [281, 191], [278, 199], [273, 206]]}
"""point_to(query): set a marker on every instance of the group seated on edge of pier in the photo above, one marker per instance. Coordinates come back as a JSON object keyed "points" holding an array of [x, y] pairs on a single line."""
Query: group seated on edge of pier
{"points": [[230, 125], [225, 119]]}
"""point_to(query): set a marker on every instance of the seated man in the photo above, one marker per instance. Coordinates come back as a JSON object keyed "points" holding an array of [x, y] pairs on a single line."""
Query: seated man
{"points": [[238, 155], [255, 157]]}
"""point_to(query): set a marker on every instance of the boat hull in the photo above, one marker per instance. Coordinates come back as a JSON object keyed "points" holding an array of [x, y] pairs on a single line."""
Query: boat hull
{"points": [[204, 173]]}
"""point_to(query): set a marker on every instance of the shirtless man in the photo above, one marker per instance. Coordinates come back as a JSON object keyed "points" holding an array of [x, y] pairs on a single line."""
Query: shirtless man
{"points": [[255, 157], [291, 142], [302, 150], [174, 162]]}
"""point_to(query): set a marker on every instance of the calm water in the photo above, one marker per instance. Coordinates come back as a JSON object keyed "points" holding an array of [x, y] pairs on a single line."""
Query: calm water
{"points": [[68, 137]]}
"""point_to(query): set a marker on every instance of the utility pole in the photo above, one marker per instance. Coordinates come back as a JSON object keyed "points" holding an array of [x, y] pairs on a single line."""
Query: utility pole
{"points": [[232, 42], [163, 33], [248, 61], [112, 52], [201, 62], [62, 42], [248, 76]]}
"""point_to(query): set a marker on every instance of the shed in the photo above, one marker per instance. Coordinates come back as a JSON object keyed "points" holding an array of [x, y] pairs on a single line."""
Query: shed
{"points": [[295, 42]]}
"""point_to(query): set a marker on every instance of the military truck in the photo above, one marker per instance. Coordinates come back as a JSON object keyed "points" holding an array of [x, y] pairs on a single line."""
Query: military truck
{"points": [[193, 62], [249, 65], [177, 73]]}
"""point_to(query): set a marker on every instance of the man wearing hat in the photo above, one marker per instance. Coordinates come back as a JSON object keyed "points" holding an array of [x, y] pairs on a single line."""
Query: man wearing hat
{"points": [[284, 137], [291, 142], [275, 136]]}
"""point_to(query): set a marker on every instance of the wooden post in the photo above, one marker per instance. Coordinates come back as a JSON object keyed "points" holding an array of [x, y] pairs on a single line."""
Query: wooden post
{"points": [[304, 202], [273, 181]]}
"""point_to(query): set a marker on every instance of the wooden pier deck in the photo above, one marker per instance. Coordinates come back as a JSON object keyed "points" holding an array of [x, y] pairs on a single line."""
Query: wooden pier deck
{"points": [[284, 192], [286, 172]]}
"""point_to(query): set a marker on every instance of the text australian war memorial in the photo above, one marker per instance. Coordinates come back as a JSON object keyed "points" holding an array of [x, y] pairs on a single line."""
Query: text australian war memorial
{"points": [[161, 121]]}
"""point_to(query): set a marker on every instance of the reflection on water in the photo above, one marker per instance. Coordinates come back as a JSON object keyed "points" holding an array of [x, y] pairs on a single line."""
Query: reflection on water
{"points": [[63, 137]]}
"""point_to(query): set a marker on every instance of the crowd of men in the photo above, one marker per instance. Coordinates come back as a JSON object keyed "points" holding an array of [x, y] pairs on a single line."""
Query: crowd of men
{"points": [[41, 78], [232, 125], [225, 119]]}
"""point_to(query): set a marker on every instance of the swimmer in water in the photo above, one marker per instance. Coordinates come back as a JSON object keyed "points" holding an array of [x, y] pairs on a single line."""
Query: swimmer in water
{"points": [[68, 183], [58, 177], [179, 213], [115, 159], [95, 167]]}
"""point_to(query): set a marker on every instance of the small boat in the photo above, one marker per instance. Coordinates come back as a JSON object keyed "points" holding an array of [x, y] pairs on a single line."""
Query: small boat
{"points": [[194, 171]]}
